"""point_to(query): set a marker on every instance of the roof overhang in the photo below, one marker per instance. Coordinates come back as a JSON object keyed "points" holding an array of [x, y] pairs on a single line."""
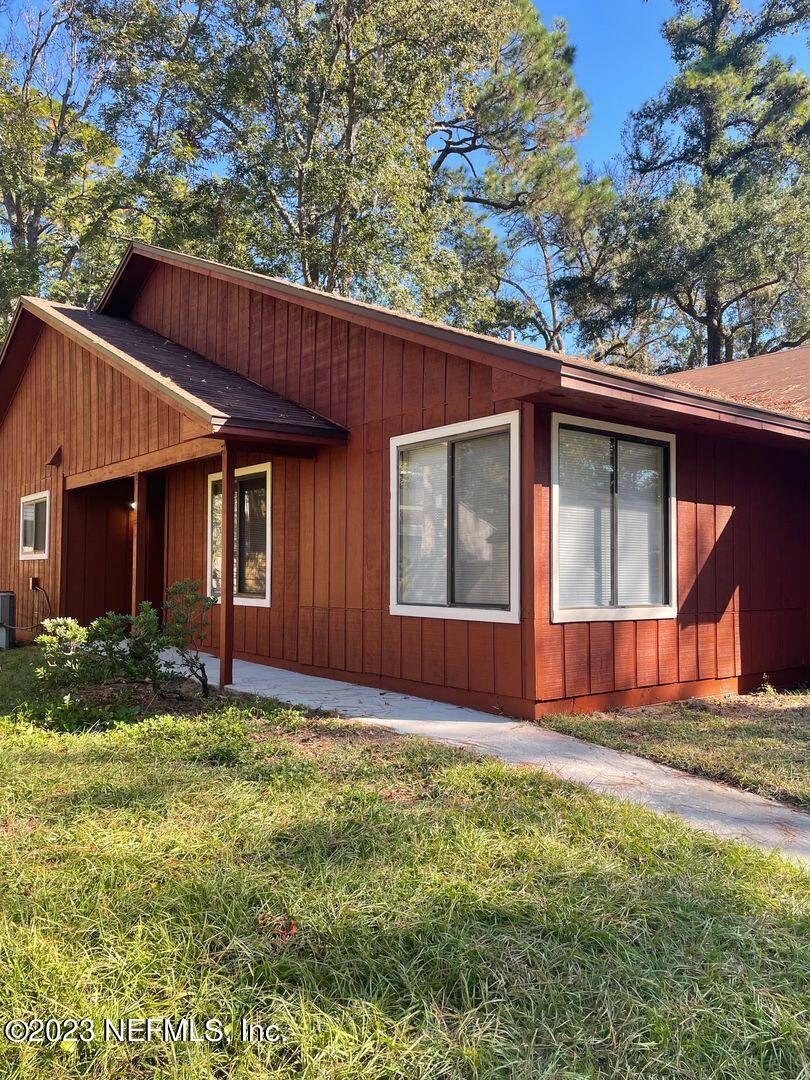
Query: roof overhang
{"points": [[535, 374], [32, 314]]}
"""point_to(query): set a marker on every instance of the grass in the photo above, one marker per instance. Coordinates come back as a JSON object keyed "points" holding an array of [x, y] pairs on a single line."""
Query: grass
{"points": [[759, 742], [17, 681], [396, 909]]}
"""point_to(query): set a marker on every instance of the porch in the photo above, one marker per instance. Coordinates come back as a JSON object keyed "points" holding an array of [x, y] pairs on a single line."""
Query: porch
{"points": [[130, 530]]}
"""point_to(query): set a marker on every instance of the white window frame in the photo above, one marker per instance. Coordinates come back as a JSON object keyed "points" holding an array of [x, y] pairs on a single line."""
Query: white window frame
{"points": [[510, 422], [611, 614], [248, 470], [38, 496]]}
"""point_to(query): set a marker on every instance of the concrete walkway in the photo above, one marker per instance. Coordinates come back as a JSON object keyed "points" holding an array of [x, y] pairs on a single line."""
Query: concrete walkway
{"points": [[720, 809]]}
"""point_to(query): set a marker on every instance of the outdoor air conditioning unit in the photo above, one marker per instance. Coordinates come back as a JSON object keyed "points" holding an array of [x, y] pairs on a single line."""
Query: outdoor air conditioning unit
{"points": [[7, 620]]}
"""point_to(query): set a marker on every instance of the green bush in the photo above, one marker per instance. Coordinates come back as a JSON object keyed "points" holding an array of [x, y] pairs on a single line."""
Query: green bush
{"points": [[67, 714], [127, 648], [68, 657], [185, 622]]}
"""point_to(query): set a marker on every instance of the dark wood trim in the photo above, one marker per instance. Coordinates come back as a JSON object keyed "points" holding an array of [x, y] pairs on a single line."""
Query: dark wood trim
{"points": [[139, 539], [226, 570], [191, 450]]}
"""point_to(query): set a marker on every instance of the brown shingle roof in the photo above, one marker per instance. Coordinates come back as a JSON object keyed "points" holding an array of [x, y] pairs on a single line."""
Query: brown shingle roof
{"points": [[779, 381], [219, 396]]}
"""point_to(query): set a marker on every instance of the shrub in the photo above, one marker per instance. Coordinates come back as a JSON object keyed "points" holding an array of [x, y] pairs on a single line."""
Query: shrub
{"points": [[142, 661], [186, 622], [67, 714], [128, 648], [68, 659]]}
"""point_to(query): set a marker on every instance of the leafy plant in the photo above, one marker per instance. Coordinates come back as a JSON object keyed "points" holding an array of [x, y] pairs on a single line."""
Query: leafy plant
{"points": [[67, 714], [66, 659], [146, 643], [186, 619]]}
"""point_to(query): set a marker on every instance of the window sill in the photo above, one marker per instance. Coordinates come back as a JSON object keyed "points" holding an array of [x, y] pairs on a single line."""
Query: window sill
{"points": [[491, 615], [248, 601], [33, 556], [634, 614]]}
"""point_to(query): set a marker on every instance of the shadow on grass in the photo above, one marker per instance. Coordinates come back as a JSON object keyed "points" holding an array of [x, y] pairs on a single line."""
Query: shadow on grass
{"points": [[506, 923]]}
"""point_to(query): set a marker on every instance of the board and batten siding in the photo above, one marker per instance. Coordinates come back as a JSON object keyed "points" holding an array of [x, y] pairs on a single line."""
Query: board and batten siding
{"points": [[70, 400], [329, 609], [743, 561], [743, 528]]}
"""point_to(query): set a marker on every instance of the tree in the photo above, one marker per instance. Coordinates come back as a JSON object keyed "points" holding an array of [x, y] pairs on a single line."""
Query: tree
{"points": [[369, 147], [720, 226], [88, 151], [381, 149]]}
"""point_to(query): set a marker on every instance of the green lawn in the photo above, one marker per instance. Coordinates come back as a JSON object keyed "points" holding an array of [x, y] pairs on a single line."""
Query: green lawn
{"points": [[394, 908], [760, 742]]}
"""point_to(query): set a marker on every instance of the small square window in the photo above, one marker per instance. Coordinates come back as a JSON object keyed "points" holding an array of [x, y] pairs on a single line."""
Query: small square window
{"points": [[35, 525]]}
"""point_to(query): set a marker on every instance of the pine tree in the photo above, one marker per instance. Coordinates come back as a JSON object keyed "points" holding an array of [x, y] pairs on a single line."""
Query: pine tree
{"points": [[722, 230]]}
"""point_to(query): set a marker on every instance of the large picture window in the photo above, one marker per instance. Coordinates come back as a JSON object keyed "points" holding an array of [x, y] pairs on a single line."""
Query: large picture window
{"points": [[252, 535], [454, 513], [35, 525], [613, 522]]}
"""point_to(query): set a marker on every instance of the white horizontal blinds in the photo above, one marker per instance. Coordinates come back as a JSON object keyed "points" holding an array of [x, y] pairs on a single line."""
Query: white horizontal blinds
{"points": [[481, 520], [585, 529], [215, 526], [251, 536], [640, 523], [423, 524]]}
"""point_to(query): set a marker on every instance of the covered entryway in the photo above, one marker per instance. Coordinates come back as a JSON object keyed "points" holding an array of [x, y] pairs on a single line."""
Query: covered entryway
{"points": [[99, 570]]}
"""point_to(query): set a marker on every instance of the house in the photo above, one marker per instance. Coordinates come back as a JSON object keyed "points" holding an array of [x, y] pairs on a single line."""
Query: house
{"points": [[415, 507]]}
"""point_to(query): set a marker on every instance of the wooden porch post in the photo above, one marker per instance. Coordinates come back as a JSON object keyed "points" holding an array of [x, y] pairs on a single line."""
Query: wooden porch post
{"points": [[139, 535], [226, 571]]}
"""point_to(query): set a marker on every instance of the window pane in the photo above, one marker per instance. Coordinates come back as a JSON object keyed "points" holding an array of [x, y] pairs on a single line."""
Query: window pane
{"points": [[481, 521], [423, 524], [216, 536], [28, 526], [640, 523], [40, 515], [584, 541], [251, 536], [34, 526]]}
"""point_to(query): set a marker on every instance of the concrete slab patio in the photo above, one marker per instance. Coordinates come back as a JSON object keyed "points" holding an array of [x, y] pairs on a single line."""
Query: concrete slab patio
{"points": [[718, 808]]}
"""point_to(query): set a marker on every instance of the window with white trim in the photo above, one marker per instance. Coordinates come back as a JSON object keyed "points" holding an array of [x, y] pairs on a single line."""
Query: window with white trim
{"points": [[252, 535], [454, 521], [35, 522], [613, 509]]}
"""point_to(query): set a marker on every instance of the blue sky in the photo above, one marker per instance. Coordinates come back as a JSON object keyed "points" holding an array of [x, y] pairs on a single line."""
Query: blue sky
{"points": [[622, 60]]}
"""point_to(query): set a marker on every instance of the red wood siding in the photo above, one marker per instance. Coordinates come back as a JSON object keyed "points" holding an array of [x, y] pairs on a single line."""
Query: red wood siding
{"points": [[743, 527], [743, 583], [330, 516], [98, 546], [72, 399]]}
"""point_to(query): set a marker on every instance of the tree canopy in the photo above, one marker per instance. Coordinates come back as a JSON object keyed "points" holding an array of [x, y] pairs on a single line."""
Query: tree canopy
{"points": [[419, 154], [714, 212]]}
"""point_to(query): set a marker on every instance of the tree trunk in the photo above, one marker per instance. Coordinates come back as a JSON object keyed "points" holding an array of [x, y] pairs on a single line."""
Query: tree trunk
{"points": [[715, 350]]}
